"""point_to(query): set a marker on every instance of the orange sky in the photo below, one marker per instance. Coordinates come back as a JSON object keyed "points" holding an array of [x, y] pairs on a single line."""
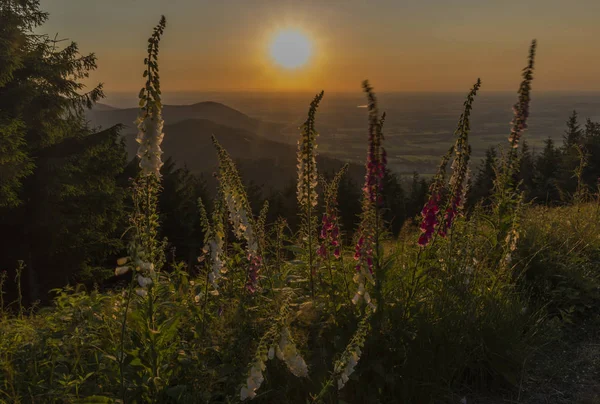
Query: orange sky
{"points": [[400, 45]]}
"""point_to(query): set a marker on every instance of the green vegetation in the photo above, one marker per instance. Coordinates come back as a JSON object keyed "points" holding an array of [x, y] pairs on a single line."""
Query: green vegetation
{"points": [[346, 304]]}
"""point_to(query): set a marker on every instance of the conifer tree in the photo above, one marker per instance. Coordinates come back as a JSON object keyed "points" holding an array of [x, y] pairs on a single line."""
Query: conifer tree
{"points": [[483, 185], [60, 200], [525, 174], [569, 161], [573, 134], [546, 172]]}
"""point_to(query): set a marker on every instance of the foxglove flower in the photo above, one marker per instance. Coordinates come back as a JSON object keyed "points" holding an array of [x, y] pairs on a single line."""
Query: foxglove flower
{"points": [[307, 163], [429, 220], [347, 363], [215, 248], [254, 380], [142, 292], [214, 235], [122, 270], [144, 282], [454, 191], [330, 233], [240, 214], [521, 108], [255, 265], [150, 122], [368, 232], [150, 136], [307, 185], [330, 229], [143, 249], [287, 352]]}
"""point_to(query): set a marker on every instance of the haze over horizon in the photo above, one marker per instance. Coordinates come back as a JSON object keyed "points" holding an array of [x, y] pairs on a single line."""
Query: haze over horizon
{"points": [[430, 46]]}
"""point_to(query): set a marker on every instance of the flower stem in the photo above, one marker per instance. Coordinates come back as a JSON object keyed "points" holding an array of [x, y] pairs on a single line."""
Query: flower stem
{"points": [[123, 328]]}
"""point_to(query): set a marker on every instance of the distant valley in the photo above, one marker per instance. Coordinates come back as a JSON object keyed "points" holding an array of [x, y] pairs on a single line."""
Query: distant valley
{"points": [[251, 143], [418, 129]]}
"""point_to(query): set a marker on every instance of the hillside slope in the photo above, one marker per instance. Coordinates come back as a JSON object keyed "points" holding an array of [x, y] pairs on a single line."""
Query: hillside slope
{"points": [[213, 111], [260, 160]]}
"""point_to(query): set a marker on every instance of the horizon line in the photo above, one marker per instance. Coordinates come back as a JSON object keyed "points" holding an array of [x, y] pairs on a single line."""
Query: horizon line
{"points": [[343, 92]]}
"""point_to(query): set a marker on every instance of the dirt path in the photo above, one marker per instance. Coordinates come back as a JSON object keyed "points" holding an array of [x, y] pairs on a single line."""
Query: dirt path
{"points": [[566, 371]]}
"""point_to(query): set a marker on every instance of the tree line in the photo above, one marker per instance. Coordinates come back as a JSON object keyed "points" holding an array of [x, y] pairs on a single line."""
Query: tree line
{"points": [[558, 174]]}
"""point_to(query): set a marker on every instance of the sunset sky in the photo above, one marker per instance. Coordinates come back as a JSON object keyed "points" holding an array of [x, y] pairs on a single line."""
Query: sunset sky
{"points": [[427, 45]]}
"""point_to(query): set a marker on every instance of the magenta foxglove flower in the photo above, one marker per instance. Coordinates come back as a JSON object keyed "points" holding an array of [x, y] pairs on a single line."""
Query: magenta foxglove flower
{"points": [[255, 265], [329, 234], [430, 221]]}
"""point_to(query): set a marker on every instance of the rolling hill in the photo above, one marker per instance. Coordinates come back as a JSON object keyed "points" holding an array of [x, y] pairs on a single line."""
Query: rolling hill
{"points": [[216, 112], [263, 161]]}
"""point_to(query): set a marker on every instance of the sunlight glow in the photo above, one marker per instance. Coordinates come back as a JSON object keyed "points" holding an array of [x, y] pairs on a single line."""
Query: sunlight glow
{"points": [[291, 49]]}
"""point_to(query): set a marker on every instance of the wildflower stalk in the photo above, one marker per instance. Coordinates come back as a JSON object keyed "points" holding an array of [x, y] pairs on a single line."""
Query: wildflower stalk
{"points": [[504, 182], [521, 108], [122, 339], [349, 359], [261, 224], [507, 198], [210, 249], [145, 252], [429, 213], [205, 304], [307, 183], [453, 193], [214, 235], [240, 213], [330, 247], [345, 366], [261, 235], [367, 249], [280, 226], [150, 136], [269, 348], [460, 165]]}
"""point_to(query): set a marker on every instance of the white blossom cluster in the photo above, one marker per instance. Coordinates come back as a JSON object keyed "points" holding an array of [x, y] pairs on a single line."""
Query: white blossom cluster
{"points": [[239, 219], [286, 351], [346, 367], [144, 269], [150, 136], [215, 248], [254, 380], [360, 278], [307, 173]]}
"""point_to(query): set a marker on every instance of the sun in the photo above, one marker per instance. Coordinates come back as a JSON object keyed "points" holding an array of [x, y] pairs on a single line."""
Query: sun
{"points": [[291, 48]]}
